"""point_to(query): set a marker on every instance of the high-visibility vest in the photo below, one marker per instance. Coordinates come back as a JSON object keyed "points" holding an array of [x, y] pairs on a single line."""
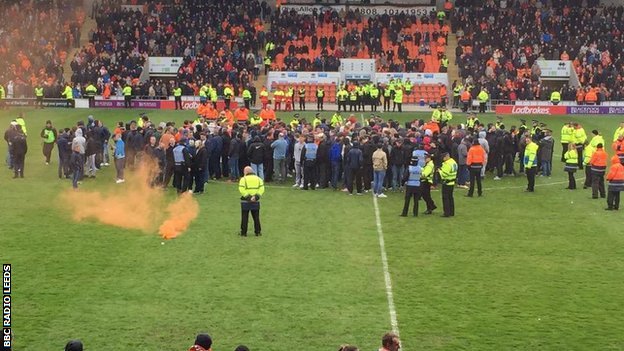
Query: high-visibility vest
{"points": [[246, 94], [177, 91], [127, 90], [38, 92], [320, 92]]}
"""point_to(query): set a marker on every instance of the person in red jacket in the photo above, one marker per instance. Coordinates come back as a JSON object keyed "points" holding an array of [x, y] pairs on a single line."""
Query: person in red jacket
{"points": [[598, 166], [616, 184], [475, 161]]}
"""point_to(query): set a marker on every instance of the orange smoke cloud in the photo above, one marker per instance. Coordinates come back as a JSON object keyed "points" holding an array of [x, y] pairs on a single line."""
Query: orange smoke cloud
{"points": [[135, 205], [181, 213]]}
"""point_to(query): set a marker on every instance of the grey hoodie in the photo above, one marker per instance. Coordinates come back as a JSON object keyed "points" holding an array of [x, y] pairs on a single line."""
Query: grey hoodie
{"points": [[484, 143], [462, 153], [79, 141]]}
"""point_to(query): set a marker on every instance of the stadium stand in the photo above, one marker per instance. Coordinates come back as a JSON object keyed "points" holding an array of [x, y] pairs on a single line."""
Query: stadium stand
{"points": [[589, 36], [34, 41], [218, 45], [317, 42]]}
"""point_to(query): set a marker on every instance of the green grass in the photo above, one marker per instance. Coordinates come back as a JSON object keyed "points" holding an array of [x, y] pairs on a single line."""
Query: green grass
{"points": [[512, 271]]}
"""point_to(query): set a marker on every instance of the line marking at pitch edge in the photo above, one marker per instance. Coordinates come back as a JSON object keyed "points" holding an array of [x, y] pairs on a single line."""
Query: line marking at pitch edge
{"points": [[384, 260]]}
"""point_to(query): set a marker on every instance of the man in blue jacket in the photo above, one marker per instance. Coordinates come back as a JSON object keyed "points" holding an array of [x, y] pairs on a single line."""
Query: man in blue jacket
{"points": [[280, 147]]}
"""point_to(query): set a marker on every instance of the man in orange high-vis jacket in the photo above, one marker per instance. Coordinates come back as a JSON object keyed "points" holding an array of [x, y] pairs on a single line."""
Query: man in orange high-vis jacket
{"points": [[475, 161], [616, 184], [598, 165]]}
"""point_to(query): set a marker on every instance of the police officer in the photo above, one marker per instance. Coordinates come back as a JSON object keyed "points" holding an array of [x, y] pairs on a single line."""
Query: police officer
{"points": [[411, 179], [182, 167], [68, 93], [247, 97], [90, 92], [448, 175], [39, 96], [127, 93], [320, 95], [308, 157], [301, 93], [177, 94], [426, 180], [251, 187]]}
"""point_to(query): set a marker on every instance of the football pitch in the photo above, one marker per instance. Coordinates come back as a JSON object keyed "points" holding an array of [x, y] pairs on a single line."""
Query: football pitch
{"points": [[511, 271]]}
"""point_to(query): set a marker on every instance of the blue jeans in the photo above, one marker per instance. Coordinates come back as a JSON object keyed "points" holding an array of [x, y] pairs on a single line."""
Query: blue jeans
{"points": [[546, 168], [462, 175], [76, 176], [105, 155], [397, 176], [378, 178], [258, 168], [233, 165], [335, 173]]}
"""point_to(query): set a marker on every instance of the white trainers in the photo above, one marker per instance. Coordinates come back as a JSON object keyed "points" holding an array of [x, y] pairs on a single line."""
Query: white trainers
{"points": [[382, 195], [497, 178], [295, 185], [119, 181], [106, 164]]}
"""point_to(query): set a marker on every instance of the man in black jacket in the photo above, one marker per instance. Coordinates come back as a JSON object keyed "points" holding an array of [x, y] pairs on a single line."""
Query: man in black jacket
{"points": [[355, 162], [322, 162], [134, 144], [255, 154], [19, 148], [64, 146], [200, 162], [367, 165]]}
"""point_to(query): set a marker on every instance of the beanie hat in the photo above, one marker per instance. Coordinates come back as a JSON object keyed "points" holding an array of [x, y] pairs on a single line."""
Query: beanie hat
{"points": [[73, 345], [203, 340]]}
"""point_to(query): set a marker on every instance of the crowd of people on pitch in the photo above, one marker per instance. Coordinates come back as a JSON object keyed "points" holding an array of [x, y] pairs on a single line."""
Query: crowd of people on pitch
{"points": [[203, 342], [36, 37], [343, 154], [501, 44]]}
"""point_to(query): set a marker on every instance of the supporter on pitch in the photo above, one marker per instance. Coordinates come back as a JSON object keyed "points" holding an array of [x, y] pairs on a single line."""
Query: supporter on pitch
{"points": [[380, 165], [390, 342], [64, 147], [203, 342], [120, 158], [76, 163], [199, 164], [19, 148], [182, 167]]}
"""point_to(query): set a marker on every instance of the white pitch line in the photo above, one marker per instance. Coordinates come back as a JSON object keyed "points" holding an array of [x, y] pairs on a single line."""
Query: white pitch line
{"points": [[384, 260]]}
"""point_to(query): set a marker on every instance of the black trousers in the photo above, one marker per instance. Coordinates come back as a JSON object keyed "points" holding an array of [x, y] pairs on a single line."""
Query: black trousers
{"points": [[564, 148], [324, 172], [301, 104], [579, 150], [71, 103], [411, 192], [475, 177], [465, 106], [18, 164], [255, 213], [178, 102], [247, 103], [319, 103], [530, 174], [169, 170], [597, 184], [343, 104], [425, 189], [127, 103], [355, 177], [386, 104], [613, 200], [448, 202], [181, 178], [63, 167], [509, 163], [482, 107], [367, 176], [47, 151], [39, 102], [227, 103], [588, 177], [398, 105], [309, 174], [571, 181]]}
